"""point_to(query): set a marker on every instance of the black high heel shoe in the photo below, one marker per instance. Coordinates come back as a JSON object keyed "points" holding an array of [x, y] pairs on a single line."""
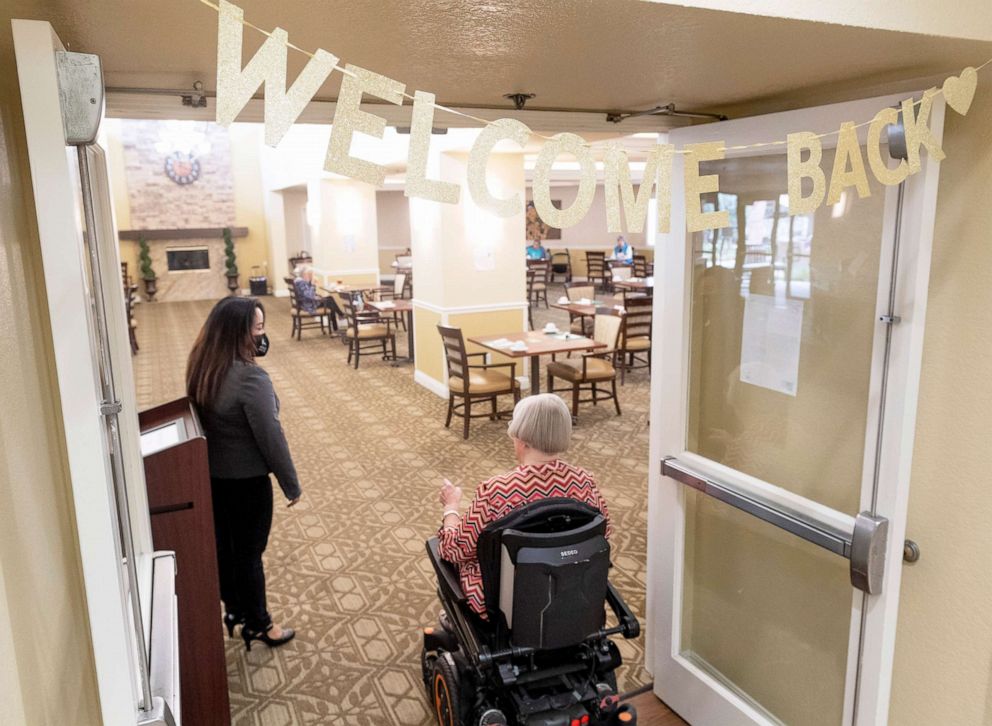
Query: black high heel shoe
{"points": [[249, 635], [231, 621]]}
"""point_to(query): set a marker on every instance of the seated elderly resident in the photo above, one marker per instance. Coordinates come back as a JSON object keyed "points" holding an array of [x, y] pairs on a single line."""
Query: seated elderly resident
{"points": [[540, 430], [308, 299]]}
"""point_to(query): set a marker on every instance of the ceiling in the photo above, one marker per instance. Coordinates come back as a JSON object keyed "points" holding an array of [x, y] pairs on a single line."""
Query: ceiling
{"points": [[576, 55]]}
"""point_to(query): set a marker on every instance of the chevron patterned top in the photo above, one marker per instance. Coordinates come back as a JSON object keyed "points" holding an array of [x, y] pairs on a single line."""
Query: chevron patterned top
{"points": [[495, 498]]}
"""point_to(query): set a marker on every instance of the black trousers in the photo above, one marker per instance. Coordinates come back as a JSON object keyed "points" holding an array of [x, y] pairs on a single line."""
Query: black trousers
{"points": [[242, 521]]}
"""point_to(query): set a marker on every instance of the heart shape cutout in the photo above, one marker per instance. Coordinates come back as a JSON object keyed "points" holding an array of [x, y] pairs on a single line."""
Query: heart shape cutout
{"points": [[960, 90]]}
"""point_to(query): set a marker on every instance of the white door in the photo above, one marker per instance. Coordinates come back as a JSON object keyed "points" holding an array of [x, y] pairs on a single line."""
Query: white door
{"points": [[782, 414], [118, 593]]}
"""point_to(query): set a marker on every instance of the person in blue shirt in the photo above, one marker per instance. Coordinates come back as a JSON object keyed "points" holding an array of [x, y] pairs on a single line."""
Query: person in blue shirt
{"points": [[536, 251], [622, 251], [308, 299]]}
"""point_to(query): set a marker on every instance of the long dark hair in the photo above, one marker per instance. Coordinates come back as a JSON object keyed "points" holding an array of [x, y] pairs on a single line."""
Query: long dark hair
{"points": [[226, 337]]}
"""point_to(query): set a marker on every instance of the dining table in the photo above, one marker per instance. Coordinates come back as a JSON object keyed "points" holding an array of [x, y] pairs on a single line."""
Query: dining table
{"points": [[399, 305], [640, 284], [346, 289], [535, 343]]}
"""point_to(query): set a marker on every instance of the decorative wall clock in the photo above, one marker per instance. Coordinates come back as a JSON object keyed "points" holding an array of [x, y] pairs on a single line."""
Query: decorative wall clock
{"points": [[182, 168]]}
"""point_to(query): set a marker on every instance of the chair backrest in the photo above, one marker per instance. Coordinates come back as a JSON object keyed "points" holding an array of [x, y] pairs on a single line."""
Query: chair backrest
{"points": [[352, 305], [399, 284], [291, 286], [532, 277], [637, 321], [454, 354], [576, 291], [606, 328], [561, 261], [595, 264], [640, 266], [542, 268], [544, 572]]}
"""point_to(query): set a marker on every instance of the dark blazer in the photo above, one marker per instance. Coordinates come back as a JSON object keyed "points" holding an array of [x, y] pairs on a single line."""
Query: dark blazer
{"points": [[244, 436]]}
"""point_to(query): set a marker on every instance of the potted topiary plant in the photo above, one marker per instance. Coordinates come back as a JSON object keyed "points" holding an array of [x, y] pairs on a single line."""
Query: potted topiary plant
{"points": [[231, 261], [147, 272]]}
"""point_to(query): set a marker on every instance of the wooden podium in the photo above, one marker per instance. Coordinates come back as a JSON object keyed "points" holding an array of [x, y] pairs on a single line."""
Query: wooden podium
{"points": [[178, 481]]}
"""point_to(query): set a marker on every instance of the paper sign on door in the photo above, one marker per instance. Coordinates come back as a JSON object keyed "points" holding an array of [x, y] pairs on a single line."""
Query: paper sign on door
{"points": [[770, 343]]}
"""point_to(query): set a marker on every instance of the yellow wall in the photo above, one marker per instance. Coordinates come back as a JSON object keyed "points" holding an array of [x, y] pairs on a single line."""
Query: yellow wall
{"points": [[249, 205], [427, 343], [110, 131], [364, 279], [47, 674], [492, 322], [943, 663]]}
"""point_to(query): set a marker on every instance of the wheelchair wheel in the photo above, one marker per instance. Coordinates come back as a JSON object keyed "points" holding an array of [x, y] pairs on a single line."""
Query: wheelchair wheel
{"points": [[450, 705], [427, 659]]}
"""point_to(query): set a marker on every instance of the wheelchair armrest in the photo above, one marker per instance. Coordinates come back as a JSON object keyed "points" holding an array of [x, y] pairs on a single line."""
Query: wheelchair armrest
{"points": [[447, 575], [630, 627]]}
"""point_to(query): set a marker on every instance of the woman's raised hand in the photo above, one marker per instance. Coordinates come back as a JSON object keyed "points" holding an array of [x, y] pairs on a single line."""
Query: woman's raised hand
{"points": [[450, 496]]}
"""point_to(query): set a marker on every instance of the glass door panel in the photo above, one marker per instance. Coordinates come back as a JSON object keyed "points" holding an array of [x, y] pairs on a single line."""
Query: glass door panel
{"points": [[782, 325], [766, 613]]}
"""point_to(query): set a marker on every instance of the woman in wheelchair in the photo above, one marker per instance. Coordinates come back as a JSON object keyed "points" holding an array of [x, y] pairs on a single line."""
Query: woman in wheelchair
{"points": [[523, 581], [541, 430]]}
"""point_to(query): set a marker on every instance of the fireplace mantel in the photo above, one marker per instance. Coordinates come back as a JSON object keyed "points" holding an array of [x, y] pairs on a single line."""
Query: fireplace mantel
{"points": [[188, 233]]}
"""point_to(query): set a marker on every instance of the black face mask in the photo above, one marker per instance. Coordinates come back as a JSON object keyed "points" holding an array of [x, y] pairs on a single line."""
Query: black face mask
{"points": [[261, 345]]}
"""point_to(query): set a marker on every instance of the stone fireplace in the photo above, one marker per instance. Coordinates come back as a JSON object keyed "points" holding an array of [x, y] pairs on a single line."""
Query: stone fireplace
{"points": [[183, 223], [189, 263]]}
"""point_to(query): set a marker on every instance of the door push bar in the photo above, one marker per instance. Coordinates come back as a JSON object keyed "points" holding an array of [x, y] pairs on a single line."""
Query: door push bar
{"points": [[864, 546]]}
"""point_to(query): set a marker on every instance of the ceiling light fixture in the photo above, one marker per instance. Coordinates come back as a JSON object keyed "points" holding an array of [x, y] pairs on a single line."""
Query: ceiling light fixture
{"points": [[197, 99], [667, 110], [519, 99]]}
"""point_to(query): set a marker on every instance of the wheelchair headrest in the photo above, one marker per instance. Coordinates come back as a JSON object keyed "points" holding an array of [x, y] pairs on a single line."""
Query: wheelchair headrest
{"points": [[540, 553]]}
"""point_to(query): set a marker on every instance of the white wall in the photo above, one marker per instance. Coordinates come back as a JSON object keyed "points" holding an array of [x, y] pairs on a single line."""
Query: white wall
{"points": [[393, 215], [591, 231]]}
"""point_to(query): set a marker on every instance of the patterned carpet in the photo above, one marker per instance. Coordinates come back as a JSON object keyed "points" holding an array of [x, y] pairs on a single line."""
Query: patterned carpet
{"points": [[346, 567]]}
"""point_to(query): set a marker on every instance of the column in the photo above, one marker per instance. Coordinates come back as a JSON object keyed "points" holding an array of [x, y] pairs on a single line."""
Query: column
{"points": [[468, 264], [343, 231]]}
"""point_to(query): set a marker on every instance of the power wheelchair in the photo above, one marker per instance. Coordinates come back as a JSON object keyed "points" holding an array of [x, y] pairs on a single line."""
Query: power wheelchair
{"points": [[544, 658]]}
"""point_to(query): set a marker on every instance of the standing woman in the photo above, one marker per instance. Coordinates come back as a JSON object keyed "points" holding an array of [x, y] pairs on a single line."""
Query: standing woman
{"points": [[240, 415]]}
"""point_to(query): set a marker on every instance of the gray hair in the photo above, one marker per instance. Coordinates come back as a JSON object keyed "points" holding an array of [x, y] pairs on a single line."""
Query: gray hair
{"points": [[543, 422], [302, 269]]}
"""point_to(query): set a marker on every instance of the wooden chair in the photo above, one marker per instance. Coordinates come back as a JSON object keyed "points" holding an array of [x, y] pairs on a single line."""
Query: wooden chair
{"points": [[399, 287], [635, 338], [595, 368], [561, 264], [531, 281], [575, 291], [640, 266], [474, 383], [537, 289], [301, 318], [596, 271], [367, 330]]}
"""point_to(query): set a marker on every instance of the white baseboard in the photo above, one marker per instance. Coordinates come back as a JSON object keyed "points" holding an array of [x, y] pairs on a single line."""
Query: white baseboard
{"points": [[281, 293], [431, 384]]}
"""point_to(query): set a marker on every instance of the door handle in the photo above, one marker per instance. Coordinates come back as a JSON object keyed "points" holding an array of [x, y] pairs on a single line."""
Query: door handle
{"points": [[864, 546]]}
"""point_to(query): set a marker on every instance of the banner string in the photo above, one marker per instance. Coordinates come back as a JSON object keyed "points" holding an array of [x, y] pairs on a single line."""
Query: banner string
{"points": [[485, 122]]}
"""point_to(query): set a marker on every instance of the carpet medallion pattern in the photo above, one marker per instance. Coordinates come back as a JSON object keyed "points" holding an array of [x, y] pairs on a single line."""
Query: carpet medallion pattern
{"points": [[346, 567]]}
